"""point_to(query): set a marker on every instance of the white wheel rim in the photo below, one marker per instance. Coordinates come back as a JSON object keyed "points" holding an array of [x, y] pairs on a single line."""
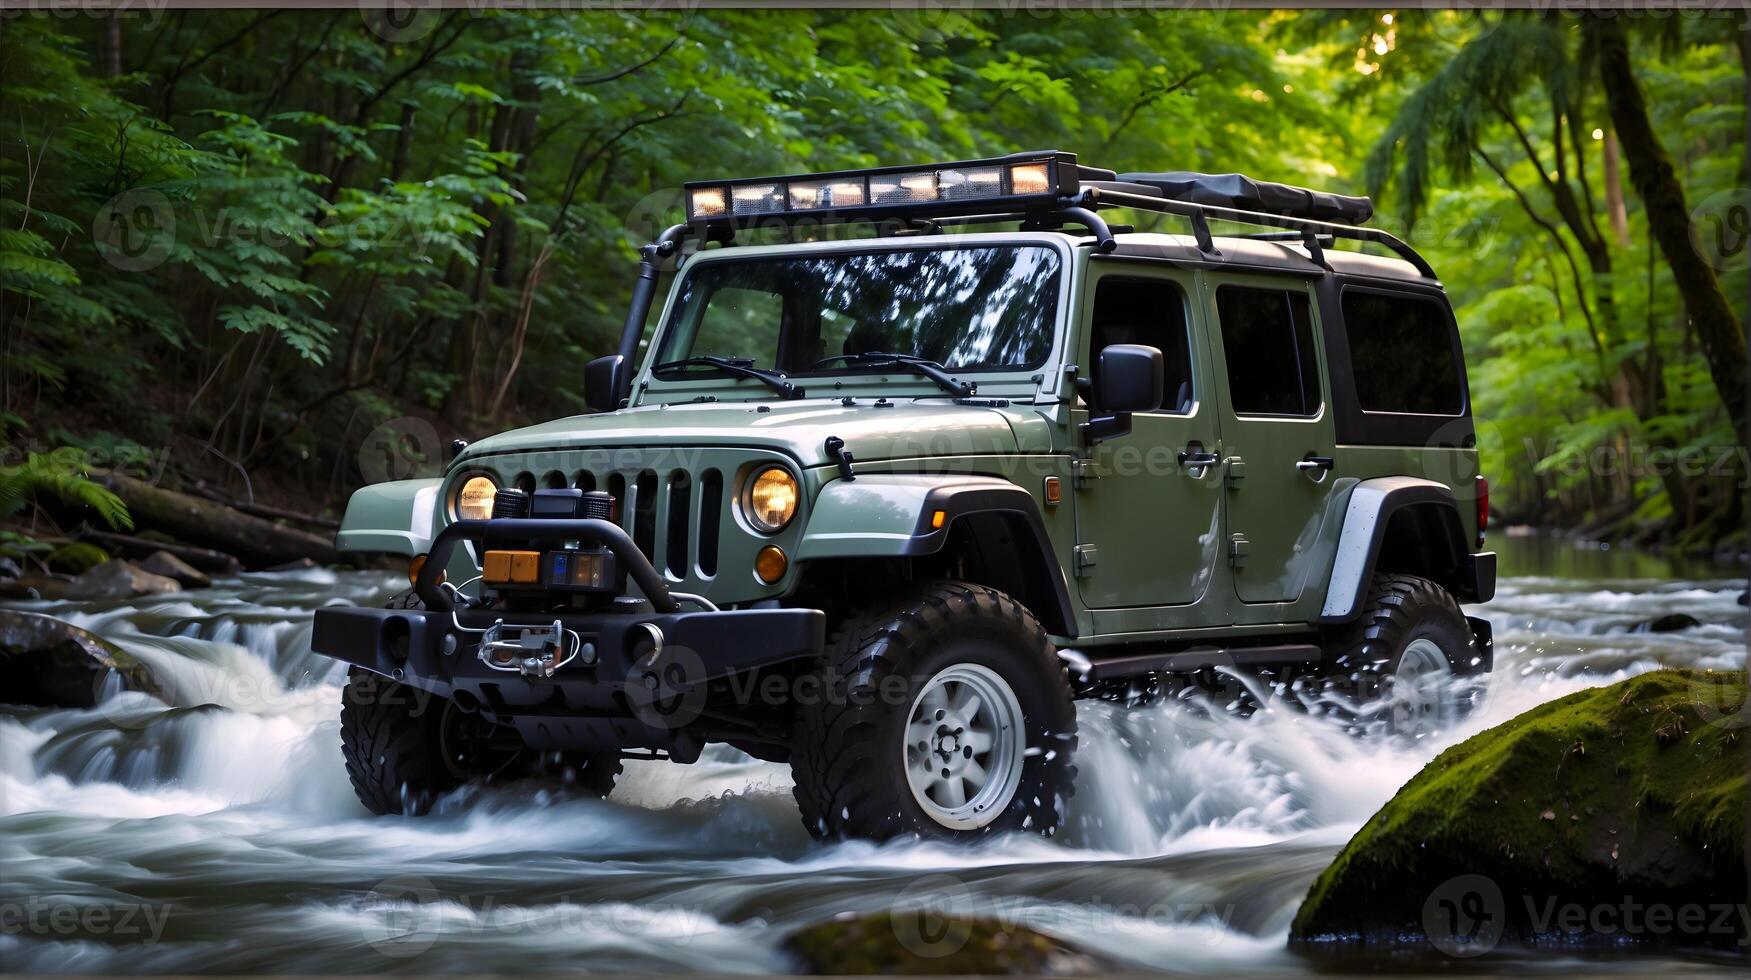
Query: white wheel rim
{"points": [[965, 745], [1422, 690]]}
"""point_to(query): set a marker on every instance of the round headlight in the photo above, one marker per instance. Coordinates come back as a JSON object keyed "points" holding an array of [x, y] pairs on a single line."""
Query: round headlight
{"points": [[474, 502], [771, 499]]}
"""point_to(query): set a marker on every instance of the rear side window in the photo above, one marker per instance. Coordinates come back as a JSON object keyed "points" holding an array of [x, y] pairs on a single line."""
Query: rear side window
{"points": [[1267, 340], [1401, 354]]}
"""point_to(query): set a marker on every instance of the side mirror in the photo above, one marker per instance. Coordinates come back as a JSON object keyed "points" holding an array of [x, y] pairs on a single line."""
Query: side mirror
{"points": [[1127, 379], [607, 380]]}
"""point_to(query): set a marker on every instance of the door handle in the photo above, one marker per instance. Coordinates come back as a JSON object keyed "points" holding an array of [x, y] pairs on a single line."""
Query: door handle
{"points": [[1312, 462], [1198, 459]]}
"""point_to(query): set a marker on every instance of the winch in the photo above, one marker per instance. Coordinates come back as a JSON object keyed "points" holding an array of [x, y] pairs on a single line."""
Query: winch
{"points": [[536, 652]]}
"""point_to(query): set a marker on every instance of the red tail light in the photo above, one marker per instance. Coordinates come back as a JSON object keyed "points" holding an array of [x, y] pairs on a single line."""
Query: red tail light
{"points": [[1483, 508]]}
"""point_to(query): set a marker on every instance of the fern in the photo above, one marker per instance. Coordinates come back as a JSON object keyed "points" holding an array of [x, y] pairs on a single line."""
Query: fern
{"points": [[59, 476]]}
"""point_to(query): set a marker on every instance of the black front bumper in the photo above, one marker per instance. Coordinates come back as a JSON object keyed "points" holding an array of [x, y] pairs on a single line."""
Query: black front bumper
{"points": [[601, 704]]}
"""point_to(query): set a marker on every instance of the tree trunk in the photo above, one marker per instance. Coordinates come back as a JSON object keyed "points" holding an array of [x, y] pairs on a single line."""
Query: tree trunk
{"points": [[1614, 191], [403, 142], [112, 45], [1650, 170], [201, 522]]}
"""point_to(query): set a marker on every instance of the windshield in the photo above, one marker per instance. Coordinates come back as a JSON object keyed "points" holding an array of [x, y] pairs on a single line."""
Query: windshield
{"points": [[985, 308]]}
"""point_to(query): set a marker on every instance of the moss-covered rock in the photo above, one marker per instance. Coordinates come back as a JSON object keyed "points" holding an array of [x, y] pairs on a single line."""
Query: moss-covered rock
{"points": [[1615, 814], [49, 663], [928, 944]]}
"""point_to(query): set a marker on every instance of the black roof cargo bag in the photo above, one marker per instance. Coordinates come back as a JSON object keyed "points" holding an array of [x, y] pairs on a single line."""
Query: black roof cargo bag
{"points": [[1243, 193]]}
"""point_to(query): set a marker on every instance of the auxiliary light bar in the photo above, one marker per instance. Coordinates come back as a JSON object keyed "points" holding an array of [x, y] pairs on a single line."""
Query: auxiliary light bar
{"points": [[968, 187]]}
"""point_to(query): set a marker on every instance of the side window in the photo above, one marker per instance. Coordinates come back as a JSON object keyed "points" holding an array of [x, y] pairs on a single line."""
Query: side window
{"points": [[737, 321], [1401, 354], [1151, 312], [1267, 340]]}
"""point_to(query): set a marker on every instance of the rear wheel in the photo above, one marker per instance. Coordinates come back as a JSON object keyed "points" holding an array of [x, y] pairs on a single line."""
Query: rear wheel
{"points": [[1399, 663], [945, 713]]}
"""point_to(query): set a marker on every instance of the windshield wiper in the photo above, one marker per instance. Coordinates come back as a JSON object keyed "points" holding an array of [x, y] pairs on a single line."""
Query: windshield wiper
{"points": [[917, 365], [740, 367]]}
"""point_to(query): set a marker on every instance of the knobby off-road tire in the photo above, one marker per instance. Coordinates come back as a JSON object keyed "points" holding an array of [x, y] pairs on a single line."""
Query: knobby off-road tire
{"points": [[405, 747], [1398, 662], [389, 736], [946, 642]]}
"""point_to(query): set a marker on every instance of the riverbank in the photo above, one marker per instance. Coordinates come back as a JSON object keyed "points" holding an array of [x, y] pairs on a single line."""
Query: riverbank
{"points": [[1571, 552]]}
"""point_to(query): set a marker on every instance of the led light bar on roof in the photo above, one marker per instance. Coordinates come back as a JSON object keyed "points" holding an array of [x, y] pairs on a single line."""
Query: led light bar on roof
{"points": [[967, 187]]}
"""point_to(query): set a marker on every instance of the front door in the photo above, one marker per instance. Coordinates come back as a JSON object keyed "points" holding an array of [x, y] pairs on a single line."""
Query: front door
{"points": [[1277, 435], [1148, 524]]}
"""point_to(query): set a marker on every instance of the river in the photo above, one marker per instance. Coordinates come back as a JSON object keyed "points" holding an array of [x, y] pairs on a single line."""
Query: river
{"points": [[220, 835]]}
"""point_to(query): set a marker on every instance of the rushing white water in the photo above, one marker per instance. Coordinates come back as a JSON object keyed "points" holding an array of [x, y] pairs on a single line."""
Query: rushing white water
{"points": [[219, 833]]}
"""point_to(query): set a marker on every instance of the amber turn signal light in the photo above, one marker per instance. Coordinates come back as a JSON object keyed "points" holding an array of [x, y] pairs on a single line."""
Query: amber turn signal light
{"points": [[515, 567], [771, 564]]}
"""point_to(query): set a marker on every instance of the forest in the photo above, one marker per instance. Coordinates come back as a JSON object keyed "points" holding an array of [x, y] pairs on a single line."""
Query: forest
{"points": [[274, 254]]}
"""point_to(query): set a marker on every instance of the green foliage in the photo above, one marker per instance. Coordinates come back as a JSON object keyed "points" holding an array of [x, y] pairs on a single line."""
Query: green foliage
{"points": [[276, 229], [74, 557], [58, 476]]}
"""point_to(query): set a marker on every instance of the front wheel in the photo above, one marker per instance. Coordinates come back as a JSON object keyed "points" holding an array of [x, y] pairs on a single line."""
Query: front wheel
{"points": [[405, 747], [944, 714]]}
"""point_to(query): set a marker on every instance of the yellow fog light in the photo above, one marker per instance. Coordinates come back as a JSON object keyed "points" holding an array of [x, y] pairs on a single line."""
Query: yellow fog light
{"points": [[771, 499], [474, 502], [771, 564]]}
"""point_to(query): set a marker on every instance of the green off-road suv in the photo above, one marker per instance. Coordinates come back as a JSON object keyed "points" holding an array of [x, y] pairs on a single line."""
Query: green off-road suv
{"points": [[883, 507]]}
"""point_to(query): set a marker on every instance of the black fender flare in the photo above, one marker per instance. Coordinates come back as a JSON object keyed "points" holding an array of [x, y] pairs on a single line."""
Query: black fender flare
{"points": [[1369, 512], [961, 500]]}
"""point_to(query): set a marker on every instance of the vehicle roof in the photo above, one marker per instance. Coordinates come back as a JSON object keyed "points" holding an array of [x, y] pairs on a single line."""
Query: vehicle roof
{"points": [[1250, 253], [1288, 256]]}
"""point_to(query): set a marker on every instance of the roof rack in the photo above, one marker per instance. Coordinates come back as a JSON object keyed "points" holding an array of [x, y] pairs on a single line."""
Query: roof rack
{"points": [[1041, 189], [1044, 189]]}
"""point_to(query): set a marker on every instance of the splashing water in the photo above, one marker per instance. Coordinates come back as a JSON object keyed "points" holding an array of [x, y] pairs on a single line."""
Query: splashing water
{"points": [[219, 833]]}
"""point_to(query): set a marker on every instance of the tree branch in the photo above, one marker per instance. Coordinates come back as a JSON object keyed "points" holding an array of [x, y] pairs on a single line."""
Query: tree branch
{"points": [[620, 73], [186, 66], [1556, 236]]}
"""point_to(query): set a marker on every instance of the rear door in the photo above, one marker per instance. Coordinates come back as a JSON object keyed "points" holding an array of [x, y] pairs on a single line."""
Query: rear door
{"points": [[1277, 433]]}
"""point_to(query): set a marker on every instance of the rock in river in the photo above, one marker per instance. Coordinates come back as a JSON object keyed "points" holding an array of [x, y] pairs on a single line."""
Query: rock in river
{"points": [[924, 942], [168, 565], [1614, 815], [1669, 623], [118, 579], [49, 663]]}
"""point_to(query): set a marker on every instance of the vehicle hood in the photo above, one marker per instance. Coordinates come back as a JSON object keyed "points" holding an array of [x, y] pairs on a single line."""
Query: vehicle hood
{"points": [[800, 429]]}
